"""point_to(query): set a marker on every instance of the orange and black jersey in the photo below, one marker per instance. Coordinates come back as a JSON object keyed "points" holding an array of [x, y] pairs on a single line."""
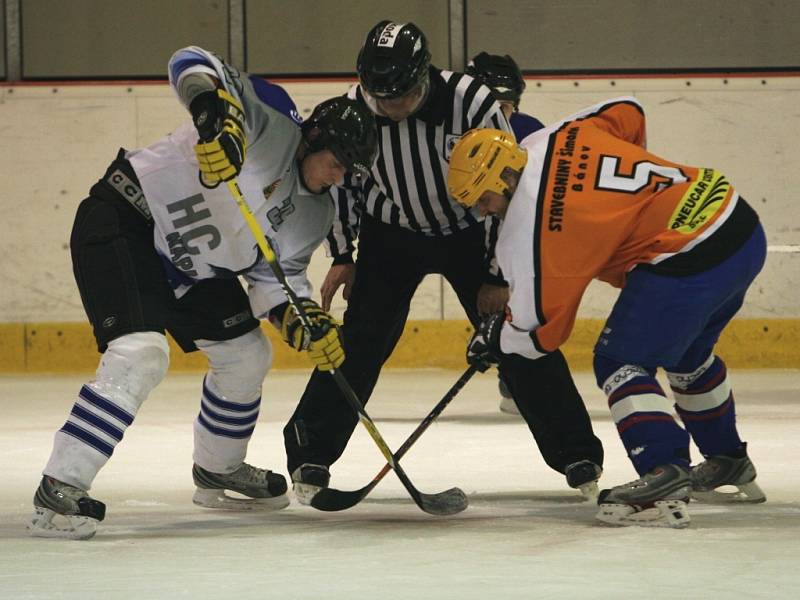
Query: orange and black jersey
{"points": [[593, 203]]}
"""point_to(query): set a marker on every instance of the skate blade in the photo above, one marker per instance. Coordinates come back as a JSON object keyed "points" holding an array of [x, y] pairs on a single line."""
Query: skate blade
{"points": [[69, 527], [218, 499], [305, 492], [665, 513], [746, 493], [589, 491]]}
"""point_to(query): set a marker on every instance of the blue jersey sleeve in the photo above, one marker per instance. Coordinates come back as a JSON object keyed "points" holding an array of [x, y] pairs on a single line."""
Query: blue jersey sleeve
{"points": [[276, 97], [523, 125], [185, 59]]}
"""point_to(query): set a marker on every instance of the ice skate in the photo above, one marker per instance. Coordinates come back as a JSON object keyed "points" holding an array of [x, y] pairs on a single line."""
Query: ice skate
{"points": [[264, 490], [725, 470], [657, 499], [64, 511], [307, 480], [583, 476]]}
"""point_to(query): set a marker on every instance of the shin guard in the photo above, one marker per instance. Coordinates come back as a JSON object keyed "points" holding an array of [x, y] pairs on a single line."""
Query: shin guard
{"points": [[704, 402]]}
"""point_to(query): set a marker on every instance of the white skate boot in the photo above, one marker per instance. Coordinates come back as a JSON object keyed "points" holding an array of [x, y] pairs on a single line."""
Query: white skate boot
{"points": [[307, 480], [264, 489], [725, 470], [64, 511], [657, 499]]}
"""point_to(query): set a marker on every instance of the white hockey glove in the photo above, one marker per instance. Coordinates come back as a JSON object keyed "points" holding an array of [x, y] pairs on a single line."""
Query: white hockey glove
{"points": [[483, 350], [219, 120]]}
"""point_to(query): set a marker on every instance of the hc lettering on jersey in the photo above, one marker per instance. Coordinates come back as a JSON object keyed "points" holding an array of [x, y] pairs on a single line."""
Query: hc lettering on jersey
{"points": [[181, 243], [191, 216], [388, 36]]}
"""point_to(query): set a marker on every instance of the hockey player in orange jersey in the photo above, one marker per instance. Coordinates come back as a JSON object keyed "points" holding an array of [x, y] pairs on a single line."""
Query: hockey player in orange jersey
{"points": [[583, 199]]}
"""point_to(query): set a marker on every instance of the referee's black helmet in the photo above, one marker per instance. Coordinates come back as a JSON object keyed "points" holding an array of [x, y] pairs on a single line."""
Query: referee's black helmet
{"points": [[394, 59]]}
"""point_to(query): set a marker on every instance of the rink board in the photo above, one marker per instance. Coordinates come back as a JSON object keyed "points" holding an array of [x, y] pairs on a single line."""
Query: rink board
{"points": [[70, 347]]}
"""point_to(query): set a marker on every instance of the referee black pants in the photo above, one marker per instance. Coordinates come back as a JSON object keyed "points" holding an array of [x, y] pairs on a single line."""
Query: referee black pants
{"points": [[391, 264]]}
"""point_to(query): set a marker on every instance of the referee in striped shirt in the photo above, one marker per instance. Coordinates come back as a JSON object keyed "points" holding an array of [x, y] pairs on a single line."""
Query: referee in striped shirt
{"points": [[408, 227]]}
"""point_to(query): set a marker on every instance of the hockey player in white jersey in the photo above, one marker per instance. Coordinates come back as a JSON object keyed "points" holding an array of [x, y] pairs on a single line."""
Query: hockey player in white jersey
{"points": [[158, 246]]}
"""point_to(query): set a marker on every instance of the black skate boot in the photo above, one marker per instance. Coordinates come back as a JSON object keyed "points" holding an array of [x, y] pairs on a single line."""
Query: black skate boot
{"points": [[583, 476], [264, 489], [308, 479], [76, 513], [657, 499]]}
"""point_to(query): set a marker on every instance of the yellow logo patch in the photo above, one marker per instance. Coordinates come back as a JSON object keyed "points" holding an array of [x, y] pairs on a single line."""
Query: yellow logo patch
{"points": [[700, 202]]}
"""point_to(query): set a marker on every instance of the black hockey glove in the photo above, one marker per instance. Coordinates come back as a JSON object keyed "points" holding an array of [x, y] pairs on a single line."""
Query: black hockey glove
{"points": [[483, 350], [219, 119]]}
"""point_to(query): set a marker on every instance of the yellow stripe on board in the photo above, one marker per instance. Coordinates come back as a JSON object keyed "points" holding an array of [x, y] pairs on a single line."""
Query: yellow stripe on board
{"points": [[70, 347]]}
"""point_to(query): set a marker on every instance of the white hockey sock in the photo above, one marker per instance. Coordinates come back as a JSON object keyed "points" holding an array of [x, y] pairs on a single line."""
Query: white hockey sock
{"points": [[231, 400], [129, 369]]}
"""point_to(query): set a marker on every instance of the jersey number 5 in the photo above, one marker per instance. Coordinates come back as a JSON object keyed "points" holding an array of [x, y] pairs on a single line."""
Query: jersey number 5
{"points": [[610, 179]]}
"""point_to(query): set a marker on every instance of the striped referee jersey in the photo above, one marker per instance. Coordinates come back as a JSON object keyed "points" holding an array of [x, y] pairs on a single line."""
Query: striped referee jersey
{"points": [[407, 184]]}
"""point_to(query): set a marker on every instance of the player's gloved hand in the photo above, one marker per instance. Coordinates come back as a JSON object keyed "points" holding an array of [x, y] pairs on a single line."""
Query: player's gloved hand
{"points": [[326, 348], [483, 350], [219, 119], [323, 342], [292, 330]]}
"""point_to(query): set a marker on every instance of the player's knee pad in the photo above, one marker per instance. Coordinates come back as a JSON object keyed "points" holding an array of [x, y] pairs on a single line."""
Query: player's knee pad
{"points": [[237, 367], [131, 367], [610, 373], [705, 388], [630, 389]]}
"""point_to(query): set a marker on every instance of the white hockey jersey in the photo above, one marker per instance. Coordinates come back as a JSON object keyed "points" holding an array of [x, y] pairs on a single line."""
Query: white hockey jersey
{"points": [[201, 232]]}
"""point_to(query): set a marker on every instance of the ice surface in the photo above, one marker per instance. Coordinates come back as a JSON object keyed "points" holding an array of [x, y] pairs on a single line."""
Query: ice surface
{"points": [[525, 534]]}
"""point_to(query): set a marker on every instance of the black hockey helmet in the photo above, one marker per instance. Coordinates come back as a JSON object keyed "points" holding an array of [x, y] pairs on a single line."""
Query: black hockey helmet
{"points": [[394, 59], [346, 128], [500, 73]]}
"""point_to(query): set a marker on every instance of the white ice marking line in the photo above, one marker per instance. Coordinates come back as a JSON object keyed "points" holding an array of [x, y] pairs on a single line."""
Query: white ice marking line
{"points": [[785, 249]]}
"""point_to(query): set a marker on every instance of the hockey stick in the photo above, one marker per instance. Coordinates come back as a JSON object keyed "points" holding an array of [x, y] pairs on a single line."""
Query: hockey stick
{"points": [[330, 499], [447, 502]]}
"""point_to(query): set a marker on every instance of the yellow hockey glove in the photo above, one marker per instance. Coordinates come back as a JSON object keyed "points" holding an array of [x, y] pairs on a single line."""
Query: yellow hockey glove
{"points": [[292, 330], [326, 350], [322, 342], [219, 119]]}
